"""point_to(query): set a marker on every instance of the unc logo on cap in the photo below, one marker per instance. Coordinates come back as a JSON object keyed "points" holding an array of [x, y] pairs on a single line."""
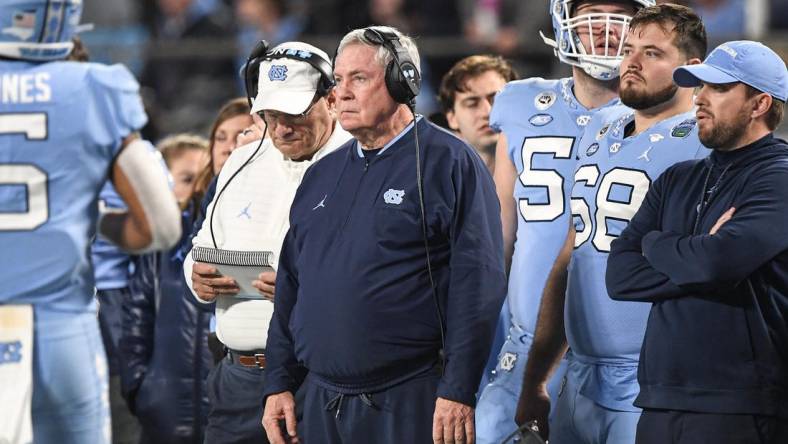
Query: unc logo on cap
{"points": [[277, 73], [393, 196]]}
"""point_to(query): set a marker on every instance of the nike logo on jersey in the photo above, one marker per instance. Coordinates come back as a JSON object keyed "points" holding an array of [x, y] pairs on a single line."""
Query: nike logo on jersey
{"points": [[321, 204], [644, 156]]}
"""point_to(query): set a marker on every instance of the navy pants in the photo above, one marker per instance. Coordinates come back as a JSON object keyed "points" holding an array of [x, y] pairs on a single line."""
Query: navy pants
{"points": [[675, 427], [399, 414], [236, 396], [125, 426]]}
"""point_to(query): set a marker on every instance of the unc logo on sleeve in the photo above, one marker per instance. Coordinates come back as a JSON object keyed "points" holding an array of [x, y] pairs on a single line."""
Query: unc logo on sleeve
{"points": [[507, 361], [544, 100], [540, 119], [682, 129], [277, 73], [393, 196]]}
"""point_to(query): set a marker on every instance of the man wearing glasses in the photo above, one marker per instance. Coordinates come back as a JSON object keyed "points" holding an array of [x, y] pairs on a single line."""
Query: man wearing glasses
{"points": [[250, 212]]}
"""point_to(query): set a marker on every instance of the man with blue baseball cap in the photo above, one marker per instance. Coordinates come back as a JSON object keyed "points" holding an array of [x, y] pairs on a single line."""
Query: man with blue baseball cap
{"points": [[708, 248]]}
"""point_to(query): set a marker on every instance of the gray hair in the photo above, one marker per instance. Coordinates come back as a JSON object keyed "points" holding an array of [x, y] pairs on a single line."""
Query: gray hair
{"points": [[383, 56]]}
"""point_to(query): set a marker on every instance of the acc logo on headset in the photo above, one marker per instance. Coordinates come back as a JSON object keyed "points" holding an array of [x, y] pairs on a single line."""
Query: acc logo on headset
{"points": [[277, 73]]}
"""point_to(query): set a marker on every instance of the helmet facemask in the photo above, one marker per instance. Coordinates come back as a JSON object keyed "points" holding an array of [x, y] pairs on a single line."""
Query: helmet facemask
{"points": [[604, 54]]}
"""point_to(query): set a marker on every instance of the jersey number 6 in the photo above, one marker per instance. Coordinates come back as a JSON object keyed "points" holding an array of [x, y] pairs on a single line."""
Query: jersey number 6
{"points": [[36, 212], [635, 181]]}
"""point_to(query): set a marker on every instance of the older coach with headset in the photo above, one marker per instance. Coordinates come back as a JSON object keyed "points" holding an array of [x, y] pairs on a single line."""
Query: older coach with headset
{"points": [[394, 252], [250, 212]]}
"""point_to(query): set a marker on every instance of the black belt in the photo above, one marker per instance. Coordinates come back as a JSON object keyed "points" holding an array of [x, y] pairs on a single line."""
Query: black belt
{"points": [[252, 358]]}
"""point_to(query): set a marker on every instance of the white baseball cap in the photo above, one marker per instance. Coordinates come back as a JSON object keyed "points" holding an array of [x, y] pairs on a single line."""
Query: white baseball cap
{"points": [[287, 84]]}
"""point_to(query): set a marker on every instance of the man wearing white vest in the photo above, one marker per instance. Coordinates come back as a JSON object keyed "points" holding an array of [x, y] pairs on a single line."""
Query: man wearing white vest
{"points": [[251, 213]]}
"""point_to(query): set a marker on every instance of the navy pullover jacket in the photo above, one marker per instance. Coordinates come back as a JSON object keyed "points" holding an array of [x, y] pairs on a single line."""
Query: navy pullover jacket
{"points": [[717, 335], [353, 301]]}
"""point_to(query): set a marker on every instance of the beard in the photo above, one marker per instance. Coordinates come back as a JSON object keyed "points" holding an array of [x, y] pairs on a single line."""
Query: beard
{"points": [[641, 100], [724, 135]]}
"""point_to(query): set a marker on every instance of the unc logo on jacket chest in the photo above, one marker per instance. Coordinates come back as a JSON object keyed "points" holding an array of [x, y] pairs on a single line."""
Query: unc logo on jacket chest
{"points": [[393, 197]]}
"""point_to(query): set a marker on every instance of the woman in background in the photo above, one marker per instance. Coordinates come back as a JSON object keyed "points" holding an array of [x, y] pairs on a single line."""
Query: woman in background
{"points": [[232, 120], [164, 341]]}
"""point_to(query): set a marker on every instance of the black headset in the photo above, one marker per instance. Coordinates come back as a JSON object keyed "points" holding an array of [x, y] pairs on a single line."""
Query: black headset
{"points": [[261, 53], [403, 80]]}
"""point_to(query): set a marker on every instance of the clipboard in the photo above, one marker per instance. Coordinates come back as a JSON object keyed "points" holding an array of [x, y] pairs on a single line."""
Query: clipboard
{"points": [[243, 266]]}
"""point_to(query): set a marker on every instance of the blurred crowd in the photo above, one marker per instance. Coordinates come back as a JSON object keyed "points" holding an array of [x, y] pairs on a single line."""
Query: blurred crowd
{"points": [[187, 53]]}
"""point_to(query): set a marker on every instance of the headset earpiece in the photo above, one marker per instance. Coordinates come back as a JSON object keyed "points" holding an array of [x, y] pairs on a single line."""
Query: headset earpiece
{"points": [[252, 69], [403, 88], [403, 80]]}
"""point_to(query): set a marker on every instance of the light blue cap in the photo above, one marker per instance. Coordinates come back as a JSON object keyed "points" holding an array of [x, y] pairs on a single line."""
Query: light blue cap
{"points": [[751, 63]]}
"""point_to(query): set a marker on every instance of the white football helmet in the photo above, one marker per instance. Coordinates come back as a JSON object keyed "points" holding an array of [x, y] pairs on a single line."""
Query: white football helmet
{"points": [[38, 30], [599, 64]]}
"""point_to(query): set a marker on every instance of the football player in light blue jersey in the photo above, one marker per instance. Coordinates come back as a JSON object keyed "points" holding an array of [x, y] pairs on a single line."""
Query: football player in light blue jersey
{"points": [[64, 128], [622, 151], [541, 122]]}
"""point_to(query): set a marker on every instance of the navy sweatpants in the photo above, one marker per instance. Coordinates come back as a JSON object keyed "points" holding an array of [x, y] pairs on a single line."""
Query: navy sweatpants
{"points": [[236, 396], [399, 414], [675, 427]]}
